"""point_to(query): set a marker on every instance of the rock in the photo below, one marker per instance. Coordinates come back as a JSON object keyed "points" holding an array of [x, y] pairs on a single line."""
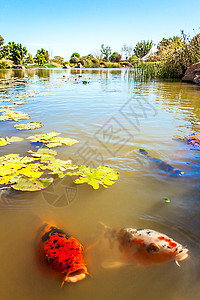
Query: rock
{"points": [[67, 67], [79, 65], [192, 74]]}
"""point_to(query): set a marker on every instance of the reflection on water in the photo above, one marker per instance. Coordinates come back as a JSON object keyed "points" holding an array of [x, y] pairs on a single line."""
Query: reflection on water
{"points": [[112, 117]]}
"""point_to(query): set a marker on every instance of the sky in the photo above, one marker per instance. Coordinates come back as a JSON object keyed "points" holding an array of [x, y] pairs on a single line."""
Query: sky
{"points": [[63, 27]]}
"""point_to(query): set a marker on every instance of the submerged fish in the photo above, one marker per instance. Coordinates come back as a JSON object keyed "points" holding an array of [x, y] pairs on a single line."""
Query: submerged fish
{"points": [[144, 246], [62, 253], [162, 164], [193, 139]]}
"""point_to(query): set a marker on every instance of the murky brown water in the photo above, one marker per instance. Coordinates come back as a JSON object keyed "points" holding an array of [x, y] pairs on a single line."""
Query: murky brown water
{"points": [[112, 117]]}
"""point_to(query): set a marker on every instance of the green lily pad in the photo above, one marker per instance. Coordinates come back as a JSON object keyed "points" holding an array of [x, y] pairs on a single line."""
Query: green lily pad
{"points": [[103, 175], [29, 126], [29, 185], [57, 166], [52, 140]]}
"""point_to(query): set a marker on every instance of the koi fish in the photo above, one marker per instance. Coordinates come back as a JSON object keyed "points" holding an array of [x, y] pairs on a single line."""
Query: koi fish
{"points": [[62, 253], [162, 164], [144, 246], [193, 139]]}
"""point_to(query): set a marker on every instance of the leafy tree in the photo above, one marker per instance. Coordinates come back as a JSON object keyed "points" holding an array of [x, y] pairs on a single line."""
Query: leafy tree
{"points": [[114, 56], [17, 53], [106, 51], [175, 41], [143, 48], [74, 60], [1, 41], [42, 57], [127, 50], [58, 59], [29, 59], [76, 54]]}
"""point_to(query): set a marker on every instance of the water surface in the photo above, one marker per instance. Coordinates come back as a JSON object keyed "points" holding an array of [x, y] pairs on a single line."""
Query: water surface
{"points": [[112, 117]]}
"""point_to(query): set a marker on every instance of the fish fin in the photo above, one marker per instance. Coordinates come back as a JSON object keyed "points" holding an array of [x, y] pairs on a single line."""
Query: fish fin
{"points": [[113, 264], [144, 152], [91, 247], [177, 263], [62, 283], [89, 274], [102, 225]]}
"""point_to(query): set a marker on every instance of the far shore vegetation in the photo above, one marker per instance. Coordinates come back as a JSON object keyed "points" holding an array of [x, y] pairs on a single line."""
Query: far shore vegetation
{"points": [[171, 58]]}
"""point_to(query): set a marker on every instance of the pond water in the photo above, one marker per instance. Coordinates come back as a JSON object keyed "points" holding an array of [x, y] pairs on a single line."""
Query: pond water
{"points": [[112, 117]]}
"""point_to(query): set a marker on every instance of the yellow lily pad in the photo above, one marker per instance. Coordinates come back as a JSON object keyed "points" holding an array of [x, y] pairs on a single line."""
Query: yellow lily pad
{"points": [[29, 126], [29, 185]]}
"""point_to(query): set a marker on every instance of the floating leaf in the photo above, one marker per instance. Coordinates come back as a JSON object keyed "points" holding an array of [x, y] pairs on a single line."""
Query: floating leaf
{"points": [[42, 152], [9, 168], [52, 140], [28, 126], [8, 140], [3, 142], [43, 138], [102, 175], [14, 139], [20, 102], [27, 184], [167, 200], [13, 115], [57, 166], [15, 158]]}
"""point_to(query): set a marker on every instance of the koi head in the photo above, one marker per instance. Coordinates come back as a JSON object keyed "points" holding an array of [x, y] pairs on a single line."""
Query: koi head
{"points": [[148, 246], [75, 276]]}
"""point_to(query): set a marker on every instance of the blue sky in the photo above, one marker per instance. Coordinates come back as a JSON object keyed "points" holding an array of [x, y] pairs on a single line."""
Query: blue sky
{"points": [[64, 26]]}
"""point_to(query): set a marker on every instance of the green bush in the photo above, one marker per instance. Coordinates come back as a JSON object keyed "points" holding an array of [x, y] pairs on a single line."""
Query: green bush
{"points": [[74, 60], [178, 58], [4, 64]]}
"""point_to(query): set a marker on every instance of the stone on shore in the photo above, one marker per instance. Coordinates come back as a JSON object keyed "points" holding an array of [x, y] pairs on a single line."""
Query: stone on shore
{"points": [[192, 74]]}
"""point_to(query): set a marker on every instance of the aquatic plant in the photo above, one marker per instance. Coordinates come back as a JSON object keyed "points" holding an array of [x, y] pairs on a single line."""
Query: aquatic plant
{"points": [[8, 115], [29, 126], [7, 140], [52, 140], [103, 175]]}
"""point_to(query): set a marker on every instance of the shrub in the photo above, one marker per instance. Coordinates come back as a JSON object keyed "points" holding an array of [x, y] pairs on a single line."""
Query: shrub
{"points": [[4, 64], [178, 59], [74, 60]]}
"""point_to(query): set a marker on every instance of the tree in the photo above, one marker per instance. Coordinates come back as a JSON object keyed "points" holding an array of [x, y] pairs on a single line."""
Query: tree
{"points": [[17, 53], [1, 41], [143, 48], [106, 51], [42, 57], [175, 41], [76, 54], [115, 57], [127, 50], [29, 59], [58, 59]]}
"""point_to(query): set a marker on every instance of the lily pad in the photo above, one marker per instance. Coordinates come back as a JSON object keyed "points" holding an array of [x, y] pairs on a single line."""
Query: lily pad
{"points": [[42, 152], [7, 140], [13, 115], [57, 166], [29, 126], [27, 185], [52, 140], [103, 175]]}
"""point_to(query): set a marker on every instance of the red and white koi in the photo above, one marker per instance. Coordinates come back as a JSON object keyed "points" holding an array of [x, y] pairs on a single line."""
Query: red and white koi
{"points": [[144, 246]]}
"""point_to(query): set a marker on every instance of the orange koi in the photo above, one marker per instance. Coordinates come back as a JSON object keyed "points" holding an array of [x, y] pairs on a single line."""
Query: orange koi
{"points": [[62, 253], [193, 139]]}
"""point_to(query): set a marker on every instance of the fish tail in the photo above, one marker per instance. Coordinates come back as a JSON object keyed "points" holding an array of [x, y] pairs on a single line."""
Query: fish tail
{"points": [[144, 152]]}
